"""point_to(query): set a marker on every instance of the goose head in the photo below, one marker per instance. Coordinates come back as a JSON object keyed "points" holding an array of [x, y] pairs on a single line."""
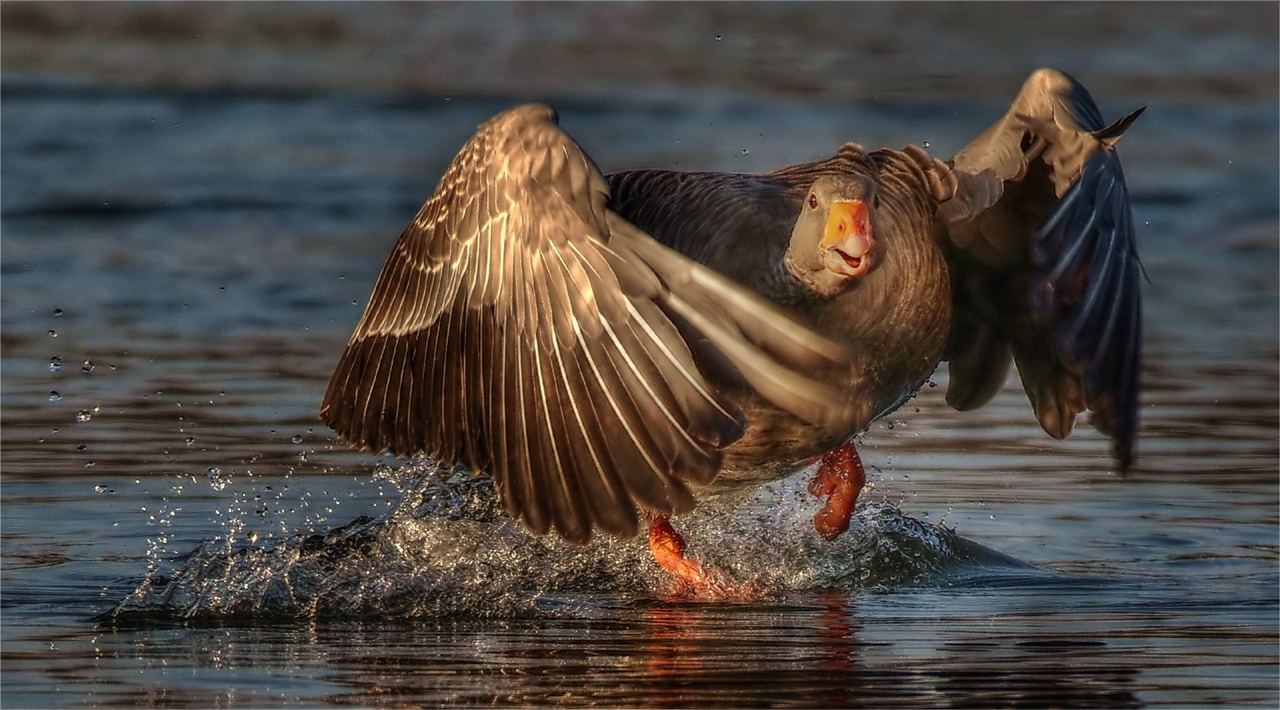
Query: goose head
{"points": [[833, 241]]}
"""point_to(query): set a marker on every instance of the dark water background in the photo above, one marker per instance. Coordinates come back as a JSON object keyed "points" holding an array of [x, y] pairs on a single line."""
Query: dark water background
{"points": [[195, 202]]}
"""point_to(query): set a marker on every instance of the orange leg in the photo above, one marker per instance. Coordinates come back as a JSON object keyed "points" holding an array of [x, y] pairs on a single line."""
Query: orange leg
{"points": [[668, 550], [840, 478]]}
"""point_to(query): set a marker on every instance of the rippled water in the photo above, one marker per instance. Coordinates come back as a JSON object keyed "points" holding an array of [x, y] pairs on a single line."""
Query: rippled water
{"points": [[181, 268]]}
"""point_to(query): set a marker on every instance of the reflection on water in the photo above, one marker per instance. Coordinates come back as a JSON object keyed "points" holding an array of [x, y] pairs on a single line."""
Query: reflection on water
{"points": [[209, 253], [822, 650]]}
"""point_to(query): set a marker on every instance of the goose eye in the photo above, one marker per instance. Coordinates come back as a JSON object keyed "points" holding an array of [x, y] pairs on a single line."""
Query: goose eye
{"points": [[813, 201]]}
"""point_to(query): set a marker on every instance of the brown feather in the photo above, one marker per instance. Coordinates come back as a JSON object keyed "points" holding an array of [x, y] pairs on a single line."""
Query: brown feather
{"points": [[1051, 268]]}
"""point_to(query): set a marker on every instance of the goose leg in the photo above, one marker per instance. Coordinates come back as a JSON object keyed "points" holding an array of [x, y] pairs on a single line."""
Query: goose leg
{"points": [[668, 550], [840, 478]]}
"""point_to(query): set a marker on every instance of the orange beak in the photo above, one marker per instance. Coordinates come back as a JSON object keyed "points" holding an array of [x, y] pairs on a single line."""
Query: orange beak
{"points": [[847, 244]]}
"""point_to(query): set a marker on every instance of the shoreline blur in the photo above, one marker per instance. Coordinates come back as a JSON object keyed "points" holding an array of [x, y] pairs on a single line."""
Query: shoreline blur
{"points": [[551, 50]]}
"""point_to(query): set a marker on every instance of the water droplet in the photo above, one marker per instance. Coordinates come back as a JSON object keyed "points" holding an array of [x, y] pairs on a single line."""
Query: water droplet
{"points": [[55, 363], [191, 442], [53, 333], [83, 416], [924, 144], [57, 312], [81, 447], [88, 464], [102, 488], [745, 151], [54, 396], [87, 366], [297, 438], [718, 38], [217, 478]]}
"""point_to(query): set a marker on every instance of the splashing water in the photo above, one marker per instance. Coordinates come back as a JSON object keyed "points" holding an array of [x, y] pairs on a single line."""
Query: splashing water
{"points": [[217, 479], [446, 549]]}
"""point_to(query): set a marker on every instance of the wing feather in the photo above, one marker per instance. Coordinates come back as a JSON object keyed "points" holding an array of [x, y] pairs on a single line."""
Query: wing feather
{"points": [[1050, 271], [506, 332]]}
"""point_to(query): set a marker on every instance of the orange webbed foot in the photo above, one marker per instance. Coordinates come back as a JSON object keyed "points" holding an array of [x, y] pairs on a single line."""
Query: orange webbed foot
{"points": [[668, 551], [840, 478]]}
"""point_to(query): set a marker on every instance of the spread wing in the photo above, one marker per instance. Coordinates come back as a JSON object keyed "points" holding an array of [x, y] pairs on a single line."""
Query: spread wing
{"points": [[520, 327], [1045, 267]]}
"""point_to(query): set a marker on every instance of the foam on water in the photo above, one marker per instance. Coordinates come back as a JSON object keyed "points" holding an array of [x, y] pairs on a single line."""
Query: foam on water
{"points": [[447, 549]]}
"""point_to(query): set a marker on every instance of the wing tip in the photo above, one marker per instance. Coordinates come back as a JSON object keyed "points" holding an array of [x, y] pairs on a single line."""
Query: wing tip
{"points": [[1113, 132]]}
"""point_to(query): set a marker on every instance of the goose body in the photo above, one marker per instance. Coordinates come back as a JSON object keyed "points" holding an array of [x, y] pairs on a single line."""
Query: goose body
{"points": [[607, 347], [894, 321]]}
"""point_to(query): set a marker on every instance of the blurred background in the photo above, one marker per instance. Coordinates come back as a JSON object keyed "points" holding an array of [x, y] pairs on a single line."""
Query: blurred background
{"points": [[195, 199], [799, 50]]}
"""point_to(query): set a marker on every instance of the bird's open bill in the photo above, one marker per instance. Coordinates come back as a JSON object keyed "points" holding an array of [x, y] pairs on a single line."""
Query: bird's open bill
{"points": [[847, 241]]}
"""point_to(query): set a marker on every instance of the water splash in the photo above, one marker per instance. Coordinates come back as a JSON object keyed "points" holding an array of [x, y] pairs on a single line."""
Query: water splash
{"points": [[447, 549], [217, 479]]}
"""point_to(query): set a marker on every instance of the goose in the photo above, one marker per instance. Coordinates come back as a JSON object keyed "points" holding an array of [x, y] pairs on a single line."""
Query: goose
{"points": [[610, 348]]}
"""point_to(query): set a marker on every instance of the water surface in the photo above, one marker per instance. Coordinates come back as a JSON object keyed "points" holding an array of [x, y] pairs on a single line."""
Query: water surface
{"points": [[181, 268]]}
